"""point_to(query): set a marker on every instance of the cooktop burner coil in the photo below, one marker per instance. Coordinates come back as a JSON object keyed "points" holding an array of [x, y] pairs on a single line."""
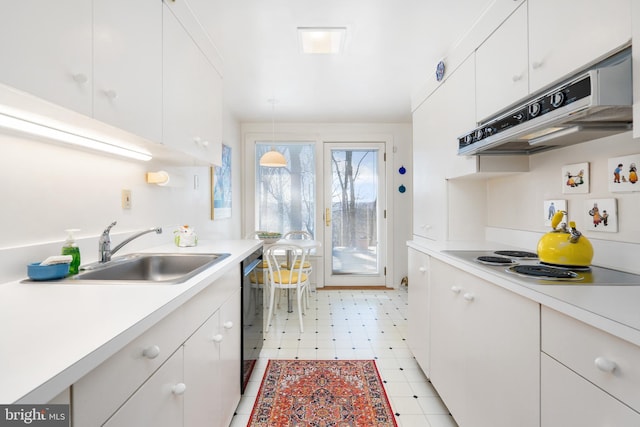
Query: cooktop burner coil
{"points": [[567, 267], [544, 272], [517, 254], [495, 260]]}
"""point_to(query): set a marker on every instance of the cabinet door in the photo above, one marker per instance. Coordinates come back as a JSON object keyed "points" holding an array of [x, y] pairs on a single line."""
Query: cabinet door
{"points": [[502, 351], [191, 91], [429, 153], [128, 65], [502, 66], [485, 344], [158, 402], [46, 50], [419, 308], [567, 35], [230, 347], [570, 400], [202, 375], [448, 360]]}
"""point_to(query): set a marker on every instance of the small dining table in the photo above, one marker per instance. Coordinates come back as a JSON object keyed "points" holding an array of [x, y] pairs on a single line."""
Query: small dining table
{"points": [[304, 244]]}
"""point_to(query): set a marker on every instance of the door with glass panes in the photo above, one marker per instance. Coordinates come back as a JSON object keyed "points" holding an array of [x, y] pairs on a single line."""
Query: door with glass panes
{"points": [[353, 217]]}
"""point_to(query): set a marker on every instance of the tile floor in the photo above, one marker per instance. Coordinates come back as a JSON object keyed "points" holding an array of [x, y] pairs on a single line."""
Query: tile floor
{"points": [[354, 324]]}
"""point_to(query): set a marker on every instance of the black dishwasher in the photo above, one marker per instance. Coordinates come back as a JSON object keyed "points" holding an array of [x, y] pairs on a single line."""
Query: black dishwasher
{"points": [[252, 314]]}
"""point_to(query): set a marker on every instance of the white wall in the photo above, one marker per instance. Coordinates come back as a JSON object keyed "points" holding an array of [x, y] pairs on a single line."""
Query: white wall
{"points": [[399, 151], [47, 188], [515, 202]]}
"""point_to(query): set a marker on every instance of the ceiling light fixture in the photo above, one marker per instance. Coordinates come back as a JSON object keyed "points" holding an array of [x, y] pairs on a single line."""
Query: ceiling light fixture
{"points": [[273, 158], [322, 40], [33, 128]]}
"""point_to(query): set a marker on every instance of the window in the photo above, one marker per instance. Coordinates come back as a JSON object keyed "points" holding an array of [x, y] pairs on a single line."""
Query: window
{"points": [[285, 197]]}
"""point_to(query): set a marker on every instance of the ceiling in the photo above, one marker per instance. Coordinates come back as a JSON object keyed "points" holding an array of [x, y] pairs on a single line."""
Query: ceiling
{"points": [[391, 49]]}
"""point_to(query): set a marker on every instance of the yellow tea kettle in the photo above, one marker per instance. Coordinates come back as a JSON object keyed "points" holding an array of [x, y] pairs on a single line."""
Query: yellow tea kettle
{"points": [[564, 247]]}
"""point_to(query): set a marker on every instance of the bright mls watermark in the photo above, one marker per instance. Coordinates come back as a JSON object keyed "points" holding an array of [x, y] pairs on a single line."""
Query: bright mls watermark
{"points": [[35, 415]]}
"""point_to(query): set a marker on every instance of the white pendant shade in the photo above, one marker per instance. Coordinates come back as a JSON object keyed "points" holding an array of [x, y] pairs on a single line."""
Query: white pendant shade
{"points": [[273, 159]]}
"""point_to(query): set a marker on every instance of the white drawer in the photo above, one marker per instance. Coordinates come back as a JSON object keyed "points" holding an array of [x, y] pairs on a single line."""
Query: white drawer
{"points": [[607, 361], [199, 308], [567, 399], [98, 394]]}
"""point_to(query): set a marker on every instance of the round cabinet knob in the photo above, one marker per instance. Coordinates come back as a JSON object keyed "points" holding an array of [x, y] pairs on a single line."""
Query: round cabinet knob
{"points": [[217, 338], [536, 64], [197, 140], [516, 78], [80, 78], [179, 389], [151, 352], [534, 109], [228, 324], [557, 99], [605, 365], [468, 296], [455, 289], [205, 143], [422, 270]]}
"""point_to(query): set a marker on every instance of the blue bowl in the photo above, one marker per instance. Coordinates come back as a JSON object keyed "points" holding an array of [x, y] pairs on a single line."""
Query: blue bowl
{"points": [[47, 272]]}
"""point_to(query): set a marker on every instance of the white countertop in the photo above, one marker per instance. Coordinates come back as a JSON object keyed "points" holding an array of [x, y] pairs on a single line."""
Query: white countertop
{"points": [[614, 309], [52, 334]]}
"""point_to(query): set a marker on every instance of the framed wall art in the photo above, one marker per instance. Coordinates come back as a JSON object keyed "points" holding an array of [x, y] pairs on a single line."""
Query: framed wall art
{"points": [[601, 215], [623, 173], [575, 178], [221, 187], [551, 207]]}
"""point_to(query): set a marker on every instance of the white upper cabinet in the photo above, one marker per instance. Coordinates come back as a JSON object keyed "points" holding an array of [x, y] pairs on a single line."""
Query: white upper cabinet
{"points": [[192, 91], [502, 66], [46, 50], [127, 86], [567, 35]]}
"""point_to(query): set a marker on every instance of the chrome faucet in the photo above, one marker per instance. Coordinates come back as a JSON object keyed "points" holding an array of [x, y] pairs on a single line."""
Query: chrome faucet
{"points": [[104, 245]]}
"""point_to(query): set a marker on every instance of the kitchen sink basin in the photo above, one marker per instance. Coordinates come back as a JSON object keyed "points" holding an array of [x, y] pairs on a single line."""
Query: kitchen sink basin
{"points": [[141, 268]]}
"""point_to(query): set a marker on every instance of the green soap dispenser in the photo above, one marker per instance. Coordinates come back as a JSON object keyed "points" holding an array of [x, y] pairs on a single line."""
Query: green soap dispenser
{"points": [[70, 248]]}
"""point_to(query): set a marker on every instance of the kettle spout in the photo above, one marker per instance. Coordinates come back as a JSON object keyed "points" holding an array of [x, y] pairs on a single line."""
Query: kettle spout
{"points": [[574, 234]]}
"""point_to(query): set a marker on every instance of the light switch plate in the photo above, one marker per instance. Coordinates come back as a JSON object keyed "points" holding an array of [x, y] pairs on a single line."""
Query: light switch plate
{"points": [[126, 199]]}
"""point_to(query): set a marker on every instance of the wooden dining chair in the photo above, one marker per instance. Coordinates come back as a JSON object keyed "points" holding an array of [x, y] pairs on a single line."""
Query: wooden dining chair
{"points": [[288, 277]]}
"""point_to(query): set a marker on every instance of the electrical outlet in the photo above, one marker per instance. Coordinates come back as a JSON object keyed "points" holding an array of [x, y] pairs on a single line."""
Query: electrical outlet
{"points": [[126, 199]]}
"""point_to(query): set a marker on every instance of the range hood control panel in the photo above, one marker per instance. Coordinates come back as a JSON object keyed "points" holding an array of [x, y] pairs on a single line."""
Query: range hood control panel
{"points": [[560, 97]]}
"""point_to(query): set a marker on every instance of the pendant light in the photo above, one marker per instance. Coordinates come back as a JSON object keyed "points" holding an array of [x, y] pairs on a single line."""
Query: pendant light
{"points": [[273, 158]]}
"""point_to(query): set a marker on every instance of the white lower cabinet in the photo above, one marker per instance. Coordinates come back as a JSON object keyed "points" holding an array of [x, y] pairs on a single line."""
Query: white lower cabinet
{"points": [[159, 402], [419, 307], [570, 400], [212, 358], [185, 370], [588, 376], [485, 350]]}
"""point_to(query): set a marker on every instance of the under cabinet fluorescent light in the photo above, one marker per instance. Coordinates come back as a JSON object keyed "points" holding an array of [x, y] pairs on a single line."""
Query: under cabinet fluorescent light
{"points": [[44, 131], [322, 40]]}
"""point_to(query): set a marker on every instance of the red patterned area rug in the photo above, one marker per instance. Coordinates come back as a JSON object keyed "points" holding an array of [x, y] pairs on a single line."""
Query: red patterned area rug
{"points": [[322, 393]]}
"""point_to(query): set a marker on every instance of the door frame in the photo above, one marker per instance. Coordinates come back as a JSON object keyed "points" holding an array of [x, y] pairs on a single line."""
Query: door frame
{"points": [[384, 254], [251, 134]]}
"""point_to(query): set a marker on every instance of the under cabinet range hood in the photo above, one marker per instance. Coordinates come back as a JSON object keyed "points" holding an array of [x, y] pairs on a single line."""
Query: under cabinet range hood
{"points": [[594, 104]]}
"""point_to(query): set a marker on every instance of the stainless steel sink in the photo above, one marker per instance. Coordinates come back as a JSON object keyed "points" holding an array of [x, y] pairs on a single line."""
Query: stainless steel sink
{"points": [[150, 268]]}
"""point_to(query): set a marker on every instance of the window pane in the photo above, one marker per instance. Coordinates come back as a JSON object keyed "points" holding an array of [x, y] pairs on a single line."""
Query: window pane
{"points": [[285, 197]]}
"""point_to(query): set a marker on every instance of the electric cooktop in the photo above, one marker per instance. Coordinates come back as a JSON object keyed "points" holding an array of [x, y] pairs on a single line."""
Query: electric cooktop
{"points": [[526, 266]]}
